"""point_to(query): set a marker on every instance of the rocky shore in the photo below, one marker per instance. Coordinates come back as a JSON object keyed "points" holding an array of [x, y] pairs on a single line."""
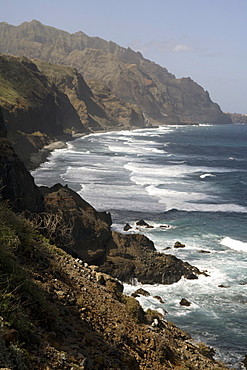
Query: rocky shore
{"points": [[59, 295]]}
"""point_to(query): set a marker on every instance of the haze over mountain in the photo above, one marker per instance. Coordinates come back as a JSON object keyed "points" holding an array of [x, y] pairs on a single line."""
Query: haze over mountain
{"points": [[136, 80]]}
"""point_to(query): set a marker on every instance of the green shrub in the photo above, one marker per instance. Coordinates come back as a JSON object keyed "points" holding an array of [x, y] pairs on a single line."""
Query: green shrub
{"points": [[134, 309]]}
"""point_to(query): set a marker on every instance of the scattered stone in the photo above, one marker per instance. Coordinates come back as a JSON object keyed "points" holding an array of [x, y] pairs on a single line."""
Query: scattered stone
{"points": [[179, 245], [204, 251], [127, 227], [159, 298], [184, 302], [222, 286]]}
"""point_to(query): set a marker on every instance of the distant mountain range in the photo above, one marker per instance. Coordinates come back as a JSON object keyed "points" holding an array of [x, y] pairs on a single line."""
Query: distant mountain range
{"points": [[111, 70]]}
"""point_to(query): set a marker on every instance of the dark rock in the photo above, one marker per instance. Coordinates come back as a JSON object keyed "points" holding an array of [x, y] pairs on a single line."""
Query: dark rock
{"points": [[90, 230], [142, 223], [179, 245], [159, 298], [222, 286], [133, 256], [16, 183], [204, 251], [184, 302], [141, 291], [127, 227]]}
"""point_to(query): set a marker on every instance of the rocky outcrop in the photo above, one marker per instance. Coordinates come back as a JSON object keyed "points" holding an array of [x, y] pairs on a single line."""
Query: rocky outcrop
{"points": [[90, 230], [133, 256], [126, 257], [128, 74]]}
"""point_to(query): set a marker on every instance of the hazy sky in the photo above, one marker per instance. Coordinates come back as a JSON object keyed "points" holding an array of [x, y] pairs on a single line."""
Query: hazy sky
{"points": [[203, 39]]}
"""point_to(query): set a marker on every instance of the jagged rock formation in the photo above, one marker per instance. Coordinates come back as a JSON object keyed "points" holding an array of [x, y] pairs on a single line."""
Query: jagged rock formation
{"points": [[128, 74], [134, 256]]}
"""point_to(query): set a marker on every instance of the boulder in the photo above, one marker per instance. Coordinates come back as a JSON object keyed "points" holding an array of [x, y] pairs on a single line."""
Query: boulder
{"points": [[184, 302], [142, 223], [159, 298], [141, 291], [127, 227], [179, 245]]}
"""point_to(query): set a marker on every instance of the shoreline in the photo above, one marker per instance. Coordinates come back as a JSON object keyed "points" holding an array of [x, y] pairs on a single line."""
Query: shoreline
{"points": [[129, 133], [36, 159]]}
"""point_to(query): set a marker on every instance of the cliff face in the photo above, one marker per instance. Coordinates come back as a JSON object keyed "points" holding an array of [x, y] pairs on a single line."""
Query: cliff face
{"points": [[42, 102], [30, 107], [97, 107], [16, 184], [131, 77]]}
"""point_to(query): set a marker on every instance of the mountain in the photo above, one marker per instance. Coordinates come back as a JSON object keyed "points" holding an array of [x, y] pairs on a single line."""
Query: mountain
{"points": [[131, 77]]}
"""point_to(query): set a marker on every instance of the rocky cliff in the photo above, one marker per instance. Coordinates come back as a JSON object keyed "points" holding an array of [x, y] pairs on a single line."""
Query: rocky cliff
{"points": [[16, 184], [97, 107], [128, 74], [42, 102]]}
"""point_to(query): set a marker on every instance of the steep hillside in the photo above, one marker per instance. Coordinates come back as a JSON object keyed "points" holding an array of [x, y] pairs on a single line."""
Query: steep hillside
{"points": [[131, 77], [58, 313]]}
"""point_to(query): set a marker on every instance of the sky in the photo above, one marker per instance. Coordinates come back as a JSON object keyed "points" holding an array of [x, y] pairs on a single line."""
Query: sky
{"points": [[202, 39]]}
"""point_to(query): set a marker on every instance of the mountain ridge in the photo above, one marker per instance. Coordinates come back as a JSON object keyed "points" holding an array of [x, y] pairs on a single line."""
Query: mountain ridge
{"points": [[127, 73]]}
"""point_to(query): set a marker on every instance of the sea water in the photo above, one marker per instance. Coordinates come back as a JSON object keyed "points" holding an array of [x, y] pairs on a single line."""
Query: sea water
{"points": [[193, 180]]}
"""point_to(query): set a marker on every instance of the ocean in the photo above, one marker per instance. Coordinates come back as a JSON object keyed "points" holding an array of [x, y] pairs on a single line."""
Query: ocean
{"points": [[194, 180]]}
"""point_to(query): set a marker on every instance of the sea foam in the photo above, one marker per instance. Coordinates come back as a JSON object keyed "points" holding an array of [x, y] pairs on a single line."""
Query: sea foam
{"points": [[234, 244]]}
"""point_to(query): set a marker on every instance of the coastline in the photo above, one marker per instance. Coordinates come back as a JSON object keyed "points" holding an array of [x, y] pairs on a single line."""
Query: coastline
{"points": [[209, 256], [36, 159]]}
